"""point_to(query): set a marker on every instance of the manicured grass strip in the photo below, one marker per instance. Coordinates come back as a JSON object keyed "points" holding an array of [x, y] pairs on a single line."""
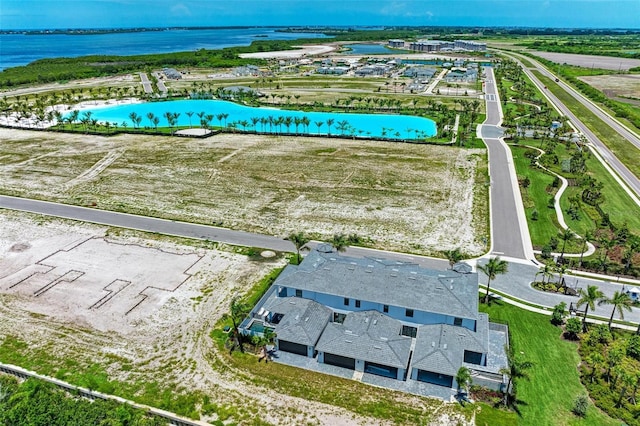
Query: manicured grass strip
{"points": [[626, 152], [547, 398], [536, 198]]}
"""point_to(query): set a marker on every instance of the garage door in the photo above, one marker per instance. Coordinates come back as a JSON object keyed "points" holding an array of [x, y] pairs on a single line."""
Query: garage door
{"points": [[340, 361], [294, 348], [381, 370], [435, 378]]}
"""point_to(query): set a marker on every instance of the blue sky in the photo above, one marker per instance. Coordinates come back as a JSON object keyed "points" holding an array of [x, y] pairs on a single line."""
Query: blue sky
{"points": [[29, 14]]}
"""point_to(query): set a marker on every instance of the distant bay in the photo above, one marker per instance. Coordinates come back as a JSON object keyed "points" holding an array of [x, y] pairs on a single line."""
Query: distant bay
{"points": [[21, 49]]}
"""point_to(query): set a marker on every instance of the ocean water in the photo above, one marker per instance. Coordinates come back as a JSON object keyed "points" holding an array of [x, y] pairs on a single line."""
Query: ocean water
{"points": [[380, 125], [21, 49]]}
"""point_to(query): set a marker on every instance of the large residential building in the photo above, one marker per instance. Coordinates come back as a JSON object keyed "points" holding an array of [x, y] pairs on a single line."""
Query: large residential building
{"points": [[470, 45], [431, 45], [382, 318]]}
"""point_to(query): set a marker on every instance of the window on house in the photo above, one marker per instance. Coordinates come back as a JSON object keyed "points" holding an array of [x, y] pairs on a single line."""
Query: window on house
{"points": [[407, 330], [457, 322], [409, 313], [357, 303], [385, 309], [298, 293], [346, 301]]}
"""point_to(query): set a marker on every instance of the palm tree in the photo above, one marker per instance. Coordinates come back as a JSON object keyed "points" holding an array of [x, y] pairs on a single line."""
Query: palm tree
{"points": [[517, 369], [463, 378], [237, 311], [589, 297], [453, 256], [632, 248], [329, 124], [494, 267], [545, 271], [298, 240], [620, 301], [339, 242], [189, 114], [150, 116], [566, 235], [319, 124], [134, 119]]}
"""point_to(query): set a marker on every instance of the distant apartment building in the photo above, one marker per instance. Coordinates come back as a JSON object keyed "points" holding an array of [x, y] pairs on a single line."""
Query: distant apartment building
{"points": [[396, 43], [431, 46], [470, 45]]}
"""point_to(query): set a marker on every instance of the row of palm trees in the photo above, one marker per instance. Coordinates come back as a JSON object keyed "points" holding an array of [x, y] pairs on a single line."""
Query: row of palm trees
{"points": [[620, 301]]}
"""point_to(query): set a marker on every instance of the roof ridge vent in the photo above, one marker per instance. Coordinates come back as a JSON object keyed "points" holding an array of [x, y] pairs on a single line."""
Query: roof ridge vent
{"points": [[375, 321], [414, 272], [377, 347], [444, 346], [348, 341], [384, 339], [306, 319], [412, 278], [433, 344]]}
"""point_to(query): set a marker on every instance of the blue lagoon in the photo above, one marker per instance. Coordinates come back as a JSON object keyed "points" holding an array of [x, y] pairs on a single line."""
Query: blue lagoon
{"points": [[270, 120]]}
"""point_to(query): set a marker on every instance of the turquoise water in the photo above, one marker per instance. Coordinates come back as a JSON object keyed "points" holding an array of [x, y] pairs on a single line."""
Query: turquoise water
{"points": [[365, 125], [370, 49], [259, 327]]}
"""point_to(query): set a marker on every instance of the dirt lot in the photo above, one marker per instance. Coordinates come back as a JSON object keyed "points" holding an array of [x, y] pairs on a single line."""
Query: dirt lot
{"points": [[87, 298], [589, 61], [627, 85], [405, 197]]}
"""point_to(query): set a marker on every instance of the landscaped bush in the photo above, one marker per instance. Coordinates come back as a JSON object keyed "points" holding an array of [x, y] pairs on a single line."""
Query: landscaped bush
{"points": [[580, 405], [611, 373]]}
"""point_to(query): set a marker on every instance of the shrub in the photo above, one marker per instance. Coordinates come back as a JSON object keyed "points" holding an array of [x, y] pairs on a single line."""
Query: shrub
{"points": [[580, 405], [558, 315], [600, 334], [633, 347], [534, 215], [573, 327]]}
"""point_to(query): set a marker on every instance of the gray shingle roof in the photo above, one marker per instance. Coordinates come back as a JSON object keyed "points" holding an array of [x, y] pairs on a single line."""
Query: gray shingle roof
{"points": [[303, 320], [440, 347], [369, 336], [386, 282]]}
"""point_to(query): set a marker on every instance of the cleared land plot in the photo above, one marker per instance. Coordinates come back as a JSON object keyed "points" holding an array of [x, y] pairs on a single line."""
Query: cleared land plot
{"points": [[160, 353], [627, 85], [418, 198], [589, 61]]}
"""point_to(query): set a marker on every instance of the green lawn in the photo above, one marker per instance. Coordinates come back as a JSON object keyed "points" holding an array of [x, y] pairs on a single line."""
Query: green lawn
{"points": [[536, 197], [547, 398]]}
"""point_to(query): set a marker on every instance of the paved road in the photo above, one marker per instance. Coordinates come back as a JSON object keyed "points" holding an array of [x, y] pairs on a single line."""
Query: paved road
{"points": [[509, 233], [627, 176], [192, 230], [517, 283], [146, 84]]}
